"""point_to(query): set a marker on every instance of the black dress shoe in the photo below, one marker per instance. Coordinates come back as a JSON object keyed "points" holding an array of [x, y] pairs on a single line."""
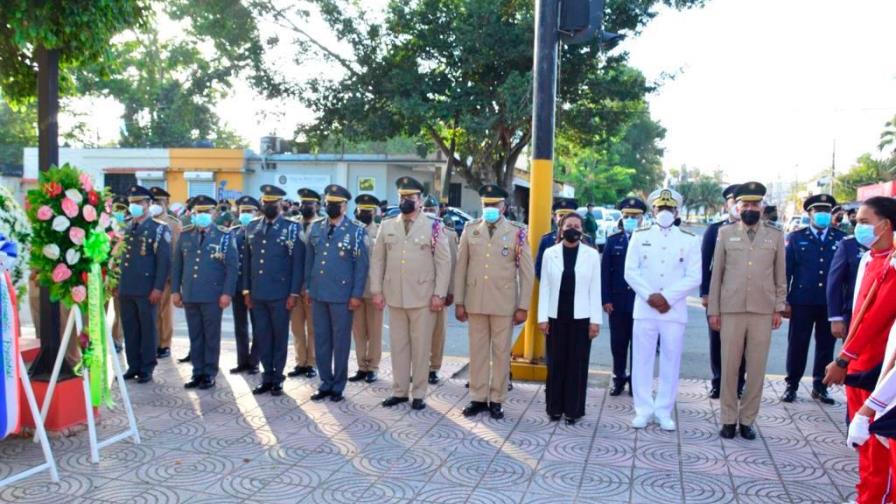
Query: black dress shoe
{"points": [[144, 378], [262, 389], [277, 390], [253, 370], [297, 371], [823, 397], [555, 418], [360, 375], [617, 388], [392, 401], [418, 404], [321, 395], [728, 431], [495, 410], [433, 378], [130, 375], [163, 352], [789, 395], [310, 372], [474, 408], [184, 360], [747, 432], [207, 384], [571, 421], [371, 377], [238, 370], [194, 383], [714, 393], [336, 396]]}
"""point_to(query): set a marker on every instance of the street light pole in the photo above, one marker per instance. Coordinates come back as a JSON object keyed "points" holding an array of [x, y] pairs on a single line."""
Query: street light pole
{"points": [[528, 362]]}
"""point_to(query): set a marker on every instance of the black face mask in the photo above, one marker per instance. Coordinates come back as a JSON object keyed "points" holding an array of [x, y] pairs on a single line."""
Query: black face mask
{"points": [[365, 217], [853, 222], [572, 235], [307, 211], [271, 210], [334, 210], [407, 206], [749, 217]]}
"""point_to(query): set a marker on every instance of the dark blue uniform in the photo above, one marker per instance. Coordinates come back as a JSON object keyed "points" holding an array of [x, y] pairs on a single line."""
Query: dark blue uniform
{"points": [[144, 268], [204, 267], [707, 250], [842, 279], [246, 350], [808, 262], [274, 262], [336, 265], [615, 290]]}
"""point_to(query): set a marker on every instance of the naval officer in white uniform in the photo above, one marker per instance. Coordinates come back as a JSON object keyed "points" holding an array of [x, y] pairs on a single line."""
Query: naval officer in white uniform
{"points": [[662, 266]]}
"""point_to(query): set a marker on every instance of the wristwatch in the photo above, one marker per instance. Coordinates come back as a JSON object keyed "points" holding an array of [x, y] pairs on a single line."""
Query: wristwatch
{"points": [[842, 363]]}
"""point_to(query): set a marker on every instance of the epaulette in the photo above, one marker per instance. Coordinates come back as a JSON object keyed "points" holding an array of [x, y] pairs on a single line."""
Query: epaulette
{"points": [[615, 233], [850, 237], [774, 226], [388, 217], [686, 232], [234, 227], [290, 218], [158, 220], [257, 218], [224, 229], [357, 223], [432, 217], [642, 229], [517, 224], [188, 227], [474, 221], [317, 219]]}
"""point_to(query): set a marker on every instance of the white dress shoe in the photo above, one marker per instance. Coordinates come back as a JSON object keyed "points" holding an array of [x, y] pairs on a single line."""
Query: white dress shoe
{"points": [[641, 421], [666, 423]]}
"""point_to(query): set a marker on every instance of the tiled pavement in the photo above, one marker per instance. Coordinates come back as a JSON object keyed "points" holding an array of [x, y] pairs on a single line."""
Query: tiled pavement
{"points": [[228, 446]]}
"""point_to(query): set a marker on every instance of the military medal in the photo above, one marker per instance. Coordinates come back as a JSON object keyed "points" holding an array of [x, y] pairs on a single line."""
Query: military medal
{"points": [[505, 251], [143, 246]]}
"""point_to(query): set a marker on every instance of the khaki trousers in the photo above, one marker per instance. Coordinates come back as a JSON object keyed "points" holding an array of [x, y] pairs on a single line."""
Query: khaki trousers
{"points": [[73, 351], [163, 318], [367, 328], [438, 342], [744, 336], [302, 334], [489, 356], [410, 338]]}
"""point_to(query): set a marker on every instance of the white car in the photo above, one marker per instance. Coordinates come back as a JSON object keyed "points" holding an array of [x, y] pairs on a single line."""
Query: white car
{"points": [[607, 220]]}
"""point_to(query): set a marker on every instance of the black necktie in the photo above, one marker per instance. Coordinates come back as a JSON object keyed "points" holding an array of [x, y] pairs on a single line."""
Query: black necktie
{"points": [[201, 238], [820, 235], [329, 232]]}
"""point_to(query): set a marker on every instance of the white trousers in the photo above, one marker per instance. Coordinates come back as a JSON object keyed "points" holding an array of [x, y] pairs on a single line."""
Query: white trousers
{"points": [[644, 336]]}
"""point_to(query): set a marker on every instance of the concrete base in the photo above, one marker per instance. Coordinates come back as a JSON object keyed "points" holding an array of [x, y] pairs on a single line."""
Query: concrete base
{"points": [[523, 370]]}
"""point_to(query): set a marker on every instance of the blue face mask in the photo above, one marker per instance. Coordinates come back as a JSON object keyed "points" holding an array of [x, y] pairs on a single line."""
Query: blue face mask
{"points": [[245, 218], [629, 224], [491, 214], [865, 234], [822, 219], [136, 210], [202, 220], [118, 216]]}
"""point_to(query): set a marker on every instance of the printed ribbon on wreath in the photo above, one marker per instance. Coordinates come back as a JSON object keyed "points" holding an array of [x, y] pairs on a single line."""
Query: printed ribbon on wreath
{"points": [[9, 342], [95, 359]]}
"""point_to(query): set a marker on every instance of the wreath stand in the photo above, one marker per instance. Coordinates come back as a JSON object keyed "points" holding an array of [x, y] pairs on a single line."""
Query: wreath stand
{"points": [[75, 324], [40, 434]]}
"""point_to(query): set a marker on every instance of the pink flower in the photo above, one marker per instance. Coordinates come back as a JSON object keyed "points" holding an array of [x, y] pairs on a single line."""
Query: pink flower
{"points": [[86, 183], [104, 220], [61, 273], [76, 235], [69, 207], [89, 213], [79, 293], [44, 213]]}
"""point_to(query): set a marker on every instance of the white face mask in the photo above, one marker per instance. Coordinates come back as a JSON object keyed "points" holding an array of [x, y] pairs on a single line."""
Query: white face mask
{"points": [[665, 218], [154, 210]]}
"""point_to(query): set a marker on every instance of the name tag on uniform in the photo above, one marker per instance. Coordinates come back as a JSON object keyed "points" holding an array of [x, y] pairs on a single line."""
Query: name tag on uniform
{"points": [[645, 244], [734, 239]]}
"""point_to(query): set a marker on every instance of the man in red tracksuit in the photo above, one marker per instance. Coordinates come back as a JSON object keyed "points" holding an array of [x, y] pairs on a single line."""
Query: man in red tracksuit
{"points": [[865, 349]]}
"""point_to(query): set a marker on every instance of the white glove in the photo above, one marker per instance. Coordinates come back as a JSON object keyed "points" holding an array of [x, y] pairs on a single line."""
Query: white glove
{"points": [[858, 431]]}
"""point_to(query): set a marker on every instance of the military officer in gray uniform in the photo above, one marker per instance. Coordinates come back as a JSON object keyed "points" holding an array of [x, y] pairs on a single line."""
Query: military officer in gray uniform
{"points": [[246, 349], [144, 272], [336, 264], [203, 278], [273, 261]]}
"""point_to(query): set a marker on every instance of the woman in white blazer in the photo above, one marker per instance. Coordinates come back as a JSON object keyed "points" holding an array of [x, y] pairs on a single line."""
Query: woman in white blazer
{"points": [[569, 314]]}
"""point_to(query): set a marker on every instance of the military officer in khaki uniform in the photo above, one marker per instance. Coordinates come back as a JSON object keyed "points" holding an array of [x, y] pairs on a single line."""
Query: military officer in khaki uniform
{"points": [[747, 296], [410, 272], [159, 210], [301, 322], [493, 285], [431, 209], [367, 324]]}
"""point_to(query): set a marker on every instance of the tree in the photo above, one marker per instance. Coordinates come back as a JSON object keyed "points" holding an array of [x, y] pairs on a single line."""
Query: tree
{"points": [[458, 73], [867, 170], [18, 129], [888, 138]]}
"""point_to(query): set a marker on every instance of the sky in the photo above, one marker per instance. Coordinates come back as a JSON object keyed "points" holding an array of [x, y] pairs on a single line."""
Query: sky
{"points": [[763, 89]]}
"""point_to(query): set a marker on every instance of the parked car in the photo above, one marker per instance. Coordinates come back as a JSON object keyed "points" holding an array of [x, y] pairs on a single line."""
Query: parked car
{"points": [[607, 220], [797, 222]]}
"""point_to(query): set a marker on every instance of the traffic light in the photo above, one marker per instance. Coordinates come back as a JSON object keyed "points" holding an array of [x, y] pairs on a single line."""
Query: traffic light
{"points": [[581, 21]]}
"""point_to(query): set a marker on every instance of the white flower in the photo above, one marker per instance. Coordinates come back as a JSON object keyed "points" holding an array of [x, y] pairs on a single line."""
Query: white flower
{"points": [[60, 223], [51, 251], [74, 195], [72, 256]]}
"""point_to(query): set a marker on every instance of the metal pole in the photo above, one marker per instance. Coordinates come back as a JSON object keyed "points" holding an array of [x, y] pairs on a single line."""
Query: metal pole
{"points": [[544, 91], [48, 155]]}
